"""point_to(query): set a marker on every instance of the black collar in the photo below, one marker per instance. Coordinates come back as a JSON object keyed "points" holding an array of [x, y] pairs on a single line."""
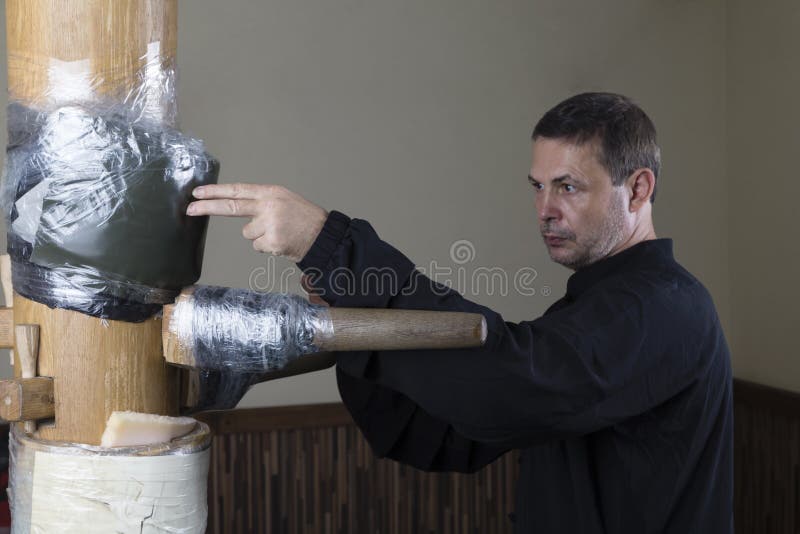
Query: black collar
{"points": [[655, 251]]}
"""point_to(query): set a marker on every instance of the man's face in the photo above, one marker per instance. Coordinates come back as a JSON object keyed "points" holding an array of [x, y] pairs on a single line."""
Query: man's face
{"points": [[582, 215]]}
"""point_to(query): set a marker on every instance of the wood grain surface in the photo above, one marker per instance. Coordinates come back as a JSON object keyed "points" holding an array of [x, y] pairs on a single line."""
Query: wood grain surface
{"points": [[766, 459], [6, 328], [176, 351], [23, 399], [307, 469], [97, 366], [111, 36], [389, 329]]}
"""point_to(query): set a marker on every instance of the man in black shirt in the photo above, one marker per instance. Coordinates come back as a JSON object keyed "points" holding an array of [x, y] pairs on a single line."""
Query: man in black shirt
{"points": [[619, 396]]}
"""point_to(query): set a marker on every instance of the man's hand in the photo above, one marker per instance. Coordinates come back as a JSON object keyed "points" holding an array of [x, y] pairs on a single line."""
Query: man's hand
{"points": [[281, 222]]}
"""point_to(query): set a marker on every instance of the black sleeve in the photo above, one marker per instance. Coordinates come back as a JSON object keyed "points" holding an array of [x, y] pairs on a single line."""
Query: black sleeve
{"points": [[567, 373]]}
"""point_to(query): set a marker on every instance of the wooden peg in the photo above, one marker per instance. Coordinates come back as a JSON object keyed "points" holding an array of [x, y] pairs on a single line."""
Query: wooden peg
{"points": [[26, 399], [5, 279], [6, 332], [7, 329], [26, 337], [175, 352], [190, 387]]}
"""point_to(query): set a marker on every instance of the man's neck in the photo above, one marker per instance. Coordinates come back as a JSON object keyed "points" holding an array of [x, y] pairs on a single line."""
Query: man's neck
{"points": [[641, 233]]}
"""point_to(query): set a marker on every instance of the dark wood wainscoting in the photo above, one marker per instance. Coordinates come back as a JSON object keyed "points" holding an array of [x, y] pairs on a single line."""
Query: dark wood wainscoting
{"points": [[767, 459], [306, 469]]}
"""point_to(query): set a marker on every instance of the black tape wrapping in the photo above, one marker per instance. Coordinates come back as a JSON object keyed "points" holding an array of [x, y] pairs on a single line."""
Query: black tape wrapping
{"points": [[96, 210], [221, 390]]}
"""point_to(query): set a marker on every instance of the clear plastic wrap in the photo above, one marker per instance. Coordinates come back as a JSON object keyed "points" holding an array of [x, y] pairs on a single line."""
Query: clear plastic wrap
{"points": [[95, 191], [241, 331], [75, 488]]}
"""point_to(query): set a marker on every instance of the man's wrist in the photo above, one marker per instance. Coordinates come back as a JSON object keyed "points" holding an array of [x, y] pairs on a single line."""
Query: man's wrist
{"points": [[314, 226], [333, 230]]}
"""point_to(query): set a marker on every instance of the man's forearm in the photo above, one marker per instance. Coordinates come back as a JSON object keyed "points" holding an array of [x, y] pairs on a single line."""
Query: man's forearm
{"points": [[349, 265]]}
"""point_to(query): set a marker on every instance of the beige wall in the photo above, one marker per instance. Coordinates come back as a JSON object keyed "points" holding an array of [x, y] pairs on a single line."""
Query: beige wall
{"points": [[763, 81], [416, 116]]}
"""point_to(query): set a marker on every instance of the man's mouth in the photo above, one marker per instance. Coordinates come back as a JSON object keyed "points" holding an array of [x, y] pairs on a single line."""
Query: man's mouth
{"points": [[553, 240]]}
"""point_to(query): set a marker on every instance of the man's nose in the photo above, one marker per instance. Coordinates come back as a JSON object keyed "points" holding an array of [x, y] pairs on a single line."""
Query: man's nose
{"points": [[546, 207]]}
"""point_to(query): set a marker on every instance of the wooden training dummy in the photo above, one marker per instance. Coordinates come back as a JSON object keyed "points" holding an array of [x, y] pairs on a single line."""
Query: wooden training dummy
{"points": [[63, 52], [98, 366]]}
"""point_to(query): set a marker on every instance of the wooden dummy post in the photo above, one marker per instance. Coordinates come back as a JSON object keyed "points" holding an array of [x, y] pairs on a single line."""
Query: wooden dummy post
{"points": [[84, 366], [97, 366]]}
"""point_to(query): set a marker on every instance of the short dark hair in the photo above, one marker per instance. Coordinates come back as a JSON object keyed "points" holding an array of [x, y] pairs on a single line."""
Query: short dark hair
{"points": [[625, 134]]}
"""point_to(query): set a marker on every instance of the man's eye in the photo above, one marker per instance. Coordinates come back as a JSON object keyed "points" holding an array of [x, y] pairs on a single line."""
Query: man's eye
{"points": [[537, 187], [569, 188]]}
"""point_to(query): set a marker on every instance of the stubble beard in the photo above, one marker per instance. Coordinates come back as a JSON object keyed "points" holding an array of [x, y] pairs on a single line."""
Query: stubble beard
{"points": [[596, 245]]}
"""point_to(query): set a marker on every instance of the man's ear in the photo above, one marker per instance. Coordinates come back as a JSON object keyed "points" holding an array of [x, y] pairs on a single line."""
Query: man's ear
{"points": [[640, 184]]}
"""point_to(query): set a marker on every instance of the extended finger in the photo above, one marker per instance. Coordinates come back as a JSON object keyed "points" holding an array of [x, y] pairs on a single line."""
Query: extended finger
{"points": [[230, 191], [227, 207]]}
